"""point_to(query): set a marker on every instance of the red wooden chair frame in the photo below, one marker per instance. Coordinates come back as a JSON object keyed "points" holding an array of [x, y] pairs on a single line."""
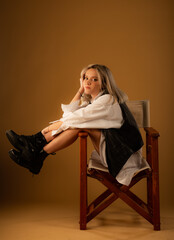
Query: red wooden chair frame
{"points": [[150, 210]]}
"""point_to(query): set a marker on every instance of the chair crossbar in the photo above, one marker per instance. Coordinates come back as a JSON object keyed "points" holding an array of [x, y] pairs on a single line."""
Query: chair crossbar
{"points": [[127, 196]]}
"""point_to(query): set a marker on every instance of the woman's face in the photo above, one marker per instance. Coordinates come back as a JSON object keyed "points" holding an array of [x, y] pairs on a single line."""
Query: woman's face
{"points": [[91, 83]]}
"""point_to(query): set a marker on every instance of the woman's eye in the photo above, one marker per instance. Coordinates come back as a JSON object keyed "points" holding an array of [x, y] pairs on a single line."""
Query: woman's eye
{"points": [[95, 80]]}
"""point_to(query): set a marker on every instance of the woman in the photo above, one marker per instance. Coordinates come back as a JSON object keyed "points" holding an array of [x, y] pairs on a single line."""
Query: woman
{"points": [[98, 108]]}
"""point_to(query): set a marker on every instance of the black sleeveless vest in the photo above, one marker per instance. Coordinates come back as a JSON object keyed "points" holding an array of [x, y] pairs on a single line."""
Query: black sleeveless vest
{"points": [[121, 143]]}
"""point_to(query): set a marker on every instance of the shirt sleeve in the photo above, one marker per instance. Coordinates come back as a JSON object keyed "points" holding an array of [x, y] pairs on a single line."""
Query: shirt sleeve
{"points": [[69, 108], [102, 113]]}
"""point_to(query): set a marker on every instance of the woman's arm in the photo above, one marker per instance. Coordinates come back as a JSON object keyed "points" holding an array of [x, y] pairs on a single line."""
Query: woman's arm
{"points": [[79, 92], [101, 114]]}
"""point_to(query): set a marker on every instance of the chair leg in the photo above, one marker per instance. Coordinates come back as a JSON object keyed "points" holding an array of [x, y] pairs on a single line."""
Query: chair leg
{"points": [[155, 188], [153, 180], [83, 180]]}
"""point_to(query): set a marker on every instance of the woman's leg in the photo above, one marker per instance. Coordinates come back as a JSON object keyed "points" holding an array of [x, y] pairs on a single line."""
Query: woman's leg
{"points": [[63, 140], [95, 135], [69, 136]]}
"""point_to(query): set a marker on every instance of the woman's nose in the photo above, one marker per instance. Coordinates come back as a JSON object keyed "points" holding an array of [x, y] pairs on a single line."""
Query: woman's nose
{"points": [[88, 82]]}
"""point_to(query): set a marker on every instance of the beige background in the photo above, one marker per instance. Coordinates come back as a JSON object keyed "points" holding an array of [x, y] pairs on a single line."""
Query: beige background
{"points": [[44, 46]]}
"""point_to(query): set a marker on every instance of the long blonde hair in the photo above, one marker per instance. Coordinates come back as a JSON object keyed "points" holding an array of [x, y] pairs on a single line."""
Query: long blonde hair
{"points": [[108, 84]]}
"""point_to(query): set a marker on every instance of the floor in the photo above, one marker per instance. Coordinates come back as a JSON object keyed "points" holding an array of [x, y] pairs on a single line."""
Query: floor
{"points": [[51, 222]]}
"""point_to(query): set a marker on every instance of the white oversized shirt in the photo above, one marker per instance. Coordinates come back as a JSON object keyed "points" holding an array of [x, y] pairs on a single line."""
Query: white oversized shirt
{"points": [[103, 113]]}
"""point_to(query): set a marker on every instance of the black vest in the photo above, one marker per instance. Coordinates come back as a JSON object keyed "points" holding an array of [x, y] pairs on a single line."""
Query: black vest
{"points": [[121, 143]]}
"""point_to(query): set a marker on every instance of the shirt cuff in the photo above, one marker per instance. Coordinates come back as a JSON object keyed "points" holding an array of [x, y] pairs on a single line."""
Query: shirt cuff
{"points": [[70, 107]]}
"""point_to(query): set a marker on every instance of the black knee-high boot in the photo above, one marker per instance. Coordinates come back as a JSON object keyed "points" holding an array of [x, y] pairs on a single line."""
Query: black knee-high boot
{"points": [[33, 142], [32, 161]]}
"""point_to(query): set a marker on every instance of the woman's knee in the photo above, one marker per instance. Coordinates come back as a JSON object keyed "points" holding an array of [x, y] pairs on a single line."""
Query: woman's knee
{"points": [[92, 131], [96, 133]]}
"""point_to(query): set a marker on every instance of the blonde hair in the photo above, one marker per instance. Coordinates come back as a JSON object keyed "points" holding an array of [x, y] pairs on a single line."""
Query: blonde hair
{"points": [[108, 84]]}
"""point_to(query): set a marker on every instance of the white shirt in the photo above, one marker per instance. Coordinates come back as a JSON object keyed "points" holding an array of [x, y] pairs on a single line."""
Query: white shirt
{"points": [[102, 113]]}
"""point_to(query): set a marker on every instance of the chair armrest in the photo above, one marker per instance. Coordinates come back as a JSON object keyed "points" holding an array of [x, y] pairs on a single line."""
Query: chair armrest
{"points": [[151, 132], [83, 134]]}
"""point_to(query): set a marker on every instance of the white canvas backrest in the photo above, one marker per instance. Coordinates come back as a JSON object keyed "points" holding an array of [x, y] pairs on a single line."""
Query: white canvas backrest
{"points": [[141, 112]]}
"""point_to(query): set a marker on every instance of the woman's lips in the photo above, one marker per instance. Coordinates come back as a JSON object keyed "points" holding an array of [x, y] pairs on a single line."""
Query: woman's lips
{"points": [[87, 87]]}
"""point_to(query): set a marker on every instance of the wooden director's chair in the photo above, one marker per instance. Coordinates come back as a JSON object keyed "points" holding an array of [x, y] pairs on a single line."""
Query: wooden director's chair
{"points": [[150, 210]]}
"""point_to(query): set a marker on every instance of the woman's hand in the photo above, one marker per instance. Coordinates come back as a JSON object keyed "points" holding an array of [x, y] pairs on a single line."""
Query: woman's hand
{"points": [[81, 89], [79, 92]]}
